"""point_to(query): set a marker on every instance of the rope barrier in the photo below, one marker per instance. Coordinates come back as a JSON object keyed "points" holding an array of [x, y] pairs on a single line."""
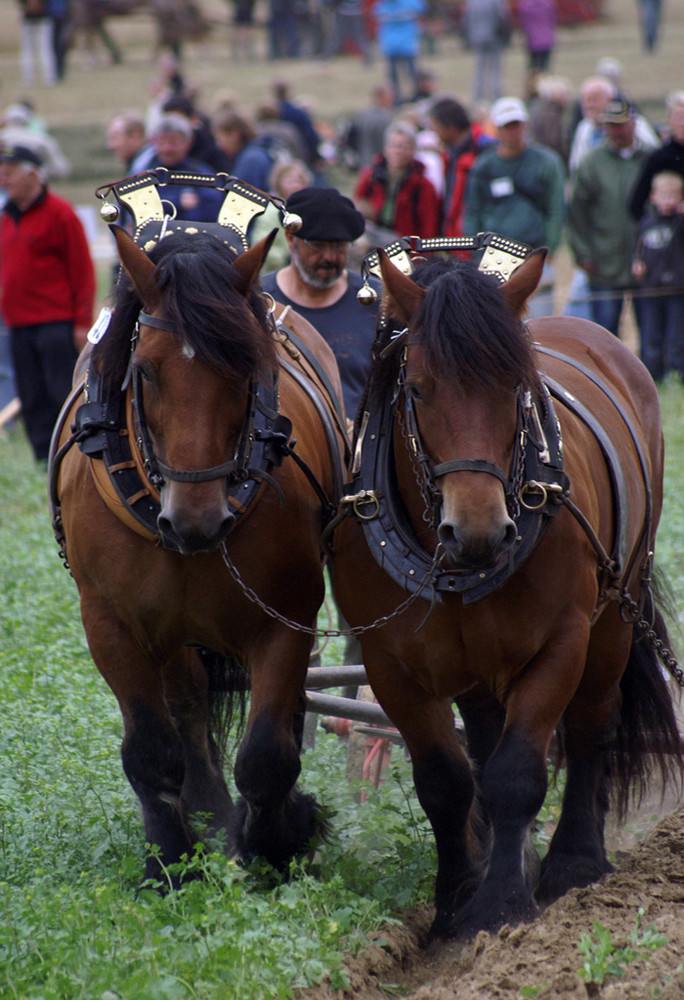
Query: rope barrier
{"points": [[639, 293]]}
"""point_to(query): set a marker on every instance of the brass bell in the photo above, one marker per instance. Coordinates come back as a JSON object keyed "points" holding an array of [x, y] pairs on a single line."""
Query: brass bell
{"points": [[367, 295], [109, 212], [292, 222]]}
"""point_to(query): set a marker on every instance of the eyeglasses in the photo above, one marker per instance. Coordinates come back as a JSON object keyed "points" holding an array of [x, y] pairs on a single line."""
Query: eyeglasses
{"points": [[331, 246]]}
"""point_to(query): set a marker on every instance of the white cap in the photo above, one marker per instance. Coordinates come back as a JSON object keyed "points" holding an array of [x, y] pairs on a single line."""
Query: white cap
{"points": [[17, 114], [507, 110]]}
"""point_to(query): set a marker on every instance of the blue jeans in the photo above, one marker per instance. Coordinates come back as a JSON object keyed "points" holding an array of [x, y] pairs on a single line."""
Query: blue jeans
{"points": [[606, 307], [650, 22], [578, 303], [406, 65], [8, 389], [661, 321]]}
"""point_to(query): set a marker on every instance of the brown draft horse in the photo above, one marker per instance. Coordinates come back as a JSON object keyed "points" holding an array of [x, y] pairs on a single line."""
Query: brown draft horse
{"points": [[545, 647], [150, 604]]}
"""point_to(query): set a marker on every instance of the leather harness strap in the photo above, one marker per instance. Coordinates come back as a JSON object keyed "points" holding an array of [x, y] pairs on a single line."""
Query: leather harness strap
{"points": [[619, 553]]}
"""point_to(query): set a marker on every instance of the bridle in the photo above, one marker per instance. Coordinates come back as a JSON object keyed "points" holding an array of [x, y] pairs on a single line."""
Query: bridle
{"points": [[235, 470], [528, 429]]}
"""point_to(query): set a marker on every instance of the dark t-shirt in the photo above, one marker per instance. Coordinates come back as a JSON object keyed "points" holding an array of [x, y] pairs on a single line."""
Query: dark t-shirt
{"points": [[661, 248], [349, 329], [668, 157]]}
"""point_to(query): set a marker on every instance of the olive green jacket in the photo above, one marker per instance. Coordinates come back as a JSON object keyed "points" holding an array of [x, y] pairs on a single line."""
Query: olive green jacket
{"points": [[601, 230]]}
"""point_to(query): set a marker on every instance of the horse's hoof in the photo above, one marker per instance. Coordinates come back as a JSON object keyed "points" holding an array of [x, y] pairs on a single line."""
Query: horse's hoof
{"points": [[563, 872], [489, 912]]}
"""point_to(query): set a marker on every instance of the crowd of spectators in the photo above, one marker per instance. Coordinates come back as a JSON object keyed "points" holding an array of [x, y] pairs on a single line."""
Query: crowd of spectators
{"points": [[582, 165]]}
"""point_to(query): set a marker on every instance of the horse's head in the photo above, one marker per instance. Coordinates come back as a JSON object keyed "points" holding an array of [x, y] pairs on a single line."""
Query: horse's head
{"points": [[201, 345], [467, 359]]}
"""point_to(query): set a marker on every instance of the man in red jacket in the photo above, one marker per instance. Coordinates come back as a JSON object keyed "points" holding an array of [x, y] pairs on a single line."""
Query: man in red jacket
{"points": [[462, 141], [47, 290]]}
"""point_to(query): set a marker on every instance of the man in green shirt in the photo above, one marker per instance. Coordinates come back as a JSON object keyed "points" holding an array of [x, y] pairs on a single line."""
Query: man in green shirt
{"points": [[516, 189]]}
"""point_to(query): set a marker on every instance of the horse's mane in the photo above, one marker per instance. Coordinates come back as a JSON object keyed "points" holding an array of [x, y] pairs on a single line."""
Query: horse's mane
{"points": [[198, 285], [469, 334]]}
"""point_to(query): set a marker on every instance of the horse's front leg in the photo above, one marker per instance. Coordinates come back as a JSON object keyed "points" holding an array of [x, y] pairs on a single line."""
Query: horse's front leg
{"points": [[151, 751], [442, 776], [514, 783], [204, 802], [273, 820]]}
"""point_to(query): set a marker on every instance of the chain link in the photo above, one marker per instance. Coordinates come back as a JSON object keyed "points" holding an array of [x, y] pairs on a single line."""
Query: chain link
{"points": [[252, 596], [663, 652]]}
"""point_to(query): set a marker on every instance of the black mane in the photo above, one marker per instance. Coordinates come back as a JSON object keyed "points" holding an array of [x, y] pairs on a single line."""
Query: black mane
{"points": [[198, 285], [469, 333]]}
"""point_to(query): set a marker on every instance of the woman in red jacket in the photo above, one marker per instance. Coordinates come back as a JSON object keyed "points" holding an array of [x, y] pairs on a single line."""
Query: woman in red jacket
{"points": [[394, 192]]}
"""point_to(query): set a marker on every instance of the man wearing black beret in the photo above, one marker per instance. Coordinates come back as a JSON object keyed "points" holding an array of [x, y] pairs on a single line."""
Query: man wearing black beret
{"points": [[317, 284]]}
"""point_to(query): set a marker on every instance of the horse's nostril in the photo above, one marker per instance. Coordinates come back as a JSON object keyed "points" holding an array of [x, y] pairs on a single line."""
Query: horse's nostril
{"points": [[510, 535]]}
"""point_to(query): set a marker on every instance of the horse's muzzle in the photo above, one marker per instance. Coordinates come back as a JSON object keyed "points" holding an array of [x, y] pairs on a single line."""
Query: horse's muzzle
{"points": [[189, 536], [476, 550]]}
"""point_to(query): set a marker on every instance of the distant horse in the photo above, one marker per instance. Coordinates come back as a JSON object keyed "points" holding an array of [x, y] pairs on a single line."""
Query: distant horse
{"points": [[177, 21], [512, 475], [221, 501]]}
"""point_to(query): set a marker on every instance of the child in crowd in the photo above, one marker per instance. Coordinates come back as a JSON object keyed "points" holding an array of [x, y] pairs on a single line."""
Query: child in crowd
{"points": [[659, 267]]}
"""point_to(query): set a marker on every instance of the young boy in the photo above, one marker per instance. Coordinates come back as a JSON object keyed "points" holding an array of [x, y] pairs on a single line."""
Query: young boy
{"points": [[659, 267]]}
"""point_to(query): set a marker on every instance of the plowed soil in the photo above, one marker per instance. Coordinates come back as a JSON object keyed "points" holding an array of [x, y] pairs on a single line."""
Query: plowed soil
{"points": [[542, 959]]}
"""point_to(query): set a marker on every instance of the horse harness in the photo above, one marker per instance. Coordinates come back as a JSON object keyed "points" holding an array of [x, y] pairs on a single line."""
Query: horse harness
{"points": [[535, 487], [112, 431]]}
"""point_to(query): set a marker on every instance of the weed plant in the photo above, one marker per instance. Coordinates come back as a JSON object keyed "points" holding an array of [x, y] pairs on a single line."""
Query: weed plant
{"points": [[74, 923]]}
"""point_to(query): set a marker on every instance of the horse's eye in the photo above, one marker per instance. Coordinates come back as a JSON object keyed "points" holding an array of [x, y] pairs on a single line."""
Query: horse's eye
{"points": [[414, 391], [144, 373]]}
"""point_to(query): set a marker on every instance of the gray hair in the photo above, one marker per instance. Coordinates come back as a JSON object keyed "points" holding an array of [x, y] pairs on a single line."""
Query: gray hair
{"points": [[402, 128], [675, 99], [173, 123]]}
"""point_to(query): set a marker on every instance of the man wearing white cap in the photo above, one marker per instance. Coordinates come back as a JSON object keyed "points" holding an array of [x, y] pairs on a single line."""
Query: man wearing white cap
{"points": [[516, 189]]}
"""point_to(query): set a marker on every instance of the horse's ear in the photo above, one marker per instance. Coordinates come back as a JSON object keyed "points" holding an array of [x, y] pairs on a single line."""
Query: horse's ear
{"points": [[402, 295], [524, 280], [249, 264], [138, 267]]}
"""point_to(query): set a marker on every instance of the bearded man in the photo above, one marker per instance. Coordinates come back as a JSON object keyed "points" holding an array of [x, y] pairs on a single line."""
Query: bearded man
{"points": [[318, 285]]}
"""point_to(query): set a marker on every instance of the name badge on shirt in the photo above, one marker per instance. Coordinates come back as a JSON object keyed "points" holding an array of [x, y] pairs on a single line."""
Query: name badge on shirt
{"points": [[501, 187], [100, 326]]}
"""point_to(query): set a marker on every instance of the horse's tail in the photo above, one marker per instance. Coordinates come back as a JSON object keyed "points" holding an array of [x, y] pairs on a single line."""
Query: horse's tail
{"points": [[648, 737], [228, 688]]}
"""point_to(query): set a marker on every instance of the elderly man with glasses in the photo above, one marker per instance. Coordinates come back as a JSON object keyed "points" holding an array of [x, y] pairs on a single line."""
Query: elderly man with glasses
{"points": [[318, 285]]}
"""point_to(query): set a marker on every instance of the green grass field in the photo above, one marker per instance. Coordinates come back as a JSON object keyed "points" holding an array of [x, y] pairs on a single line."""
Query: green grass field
{"points": [[71, 841]]}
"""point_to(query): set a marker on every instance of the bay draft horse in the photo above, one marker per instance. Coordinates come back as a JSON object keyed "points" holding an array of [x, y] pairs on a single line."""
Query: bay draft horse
{"points": [[149, 605], [548, 649]]}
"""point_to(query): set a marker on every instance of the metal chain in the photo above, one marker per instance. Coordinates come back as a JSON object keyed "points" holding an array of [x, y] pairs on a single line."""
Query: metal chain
{"points": [[663, 652], [514, 493], [252, 596], [426, 489]]}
